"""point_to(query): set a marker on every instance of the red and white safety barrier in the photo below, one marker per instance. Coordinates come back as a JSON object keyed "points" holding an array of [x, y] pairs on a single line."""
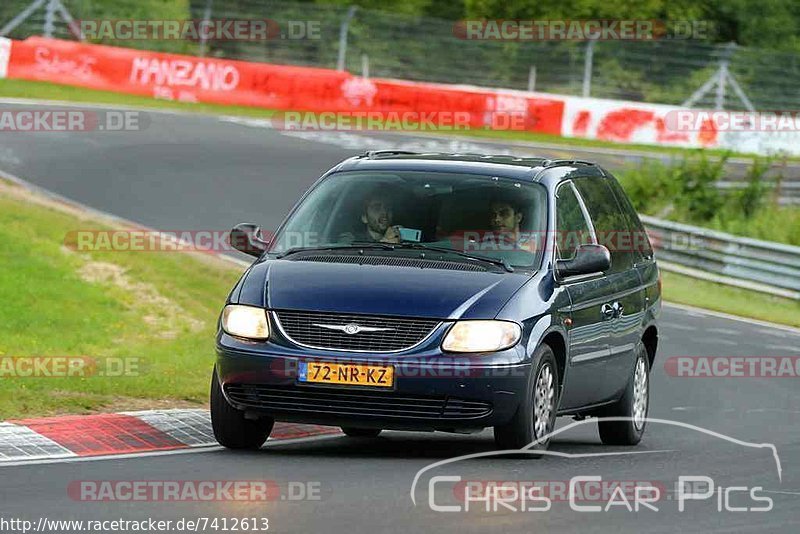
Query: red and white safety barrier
{"points": [[283, 87]]}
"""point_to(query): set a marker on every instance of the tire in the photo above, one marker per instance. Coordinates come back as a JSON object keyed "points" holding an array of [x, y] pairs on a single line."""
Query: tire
{"points": [[536, 415], [231, 429], [630, 431], [361, 432]]}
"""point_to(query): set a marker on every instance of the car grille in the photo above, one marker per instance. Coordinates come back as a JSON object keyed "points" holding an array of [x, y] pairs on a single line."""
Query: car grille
{"points": [[394, 262], [402, 333], [309, 399]]}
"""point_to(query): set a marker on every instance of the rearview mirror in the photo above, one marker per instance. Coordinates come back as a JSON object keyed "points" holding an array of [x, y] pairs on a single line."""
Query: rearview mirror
{"points": [[588, 259], [246, 237]]}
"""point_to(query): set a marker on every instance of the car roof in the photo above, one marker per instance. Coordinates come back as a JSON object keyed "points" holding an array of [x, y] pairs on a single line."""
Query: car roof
{"points": [[501, 165]]}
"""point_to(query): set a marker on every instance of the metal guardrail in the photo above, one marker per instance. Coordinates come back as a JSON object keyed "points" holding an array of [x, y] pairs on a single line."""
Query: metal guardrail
{"points": [[762, 266]]}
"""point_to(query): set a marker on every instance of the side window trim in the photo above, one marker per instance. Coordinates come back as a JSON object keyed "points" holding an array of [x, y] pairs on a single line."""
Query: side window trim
{"points": [[584, 212], [586, 218]]}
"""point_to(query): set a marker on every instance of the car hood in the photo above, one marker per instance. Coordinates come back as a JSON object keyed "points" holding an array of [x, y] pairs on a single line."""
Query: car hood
{"points": [[378, 289]]}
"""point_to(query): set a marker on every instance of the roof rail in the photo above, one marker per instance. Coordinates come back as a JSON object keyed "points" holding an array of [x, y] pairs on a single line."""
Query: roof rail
{"points": [[372, 154], [560, 162]]}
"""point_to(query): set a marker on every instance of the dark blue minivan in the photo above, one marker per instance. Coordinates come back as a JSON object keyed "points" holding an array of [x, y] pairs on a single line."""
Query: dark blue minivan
{"points": [[443, 292]]}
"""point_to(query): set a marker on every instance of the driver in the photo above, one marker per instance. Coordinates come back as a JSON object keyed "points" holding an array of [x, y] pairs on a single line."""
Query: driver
{"points": [[376, 216], [505, 217]]}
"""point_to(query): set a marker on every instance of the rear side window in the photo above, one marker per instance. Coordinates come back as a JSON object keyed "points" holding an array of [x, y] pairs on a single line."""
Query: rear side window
{"points": [[572, 229], [641, 243], [610, 223]]}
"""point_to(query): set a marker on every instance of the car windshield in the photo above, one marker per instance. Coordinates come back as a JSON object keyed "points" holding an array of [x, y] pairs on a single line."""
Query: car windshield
{"points": [[483, 216]]}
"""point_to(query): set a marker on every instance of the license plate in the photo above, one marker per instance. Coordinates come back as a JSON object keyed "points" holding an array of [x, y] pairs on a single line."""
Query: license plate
{"points": [[349, 374]]}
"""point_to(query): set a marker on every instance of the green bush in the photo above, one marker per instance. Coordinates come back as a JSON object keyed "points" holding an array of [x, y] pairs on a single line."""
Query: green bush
{"points": [[687, 191]]}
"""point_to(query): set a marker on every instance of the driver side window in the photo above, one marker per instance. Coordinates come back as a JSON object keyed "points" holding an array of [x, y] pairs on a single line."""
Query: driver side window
{"points": [[572, 229]]}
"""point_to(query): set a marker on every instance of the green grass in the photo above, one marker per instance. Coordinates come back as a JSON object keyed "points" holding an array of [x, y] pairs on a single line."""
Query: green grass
{"points": [[68, 93], [49, 309], [703, 294], [50, 91]]}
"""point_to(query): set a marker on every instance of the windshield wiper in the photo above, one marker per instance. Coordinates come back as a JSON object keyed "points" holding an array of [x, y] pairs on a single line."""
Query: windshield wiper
{"points": [[502, 262], [354, 244]]}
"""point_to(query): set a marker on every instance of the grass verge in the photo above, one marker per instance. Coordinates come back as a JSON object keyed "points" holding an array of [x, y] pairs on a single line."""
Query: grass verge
{"points": [[733, 300], [148, 316], [68, 93]]}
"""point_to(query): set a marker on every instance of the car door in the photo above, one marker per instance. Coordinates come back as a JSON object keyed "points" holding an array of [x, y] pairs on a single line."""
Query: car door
{"points": [[588, 337], [626, 293]]}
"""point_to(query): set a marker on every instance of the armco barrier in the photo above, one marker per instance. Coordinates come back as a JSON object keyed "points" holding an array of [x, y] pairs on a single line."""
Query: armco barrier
{"points": [[762, 266]]}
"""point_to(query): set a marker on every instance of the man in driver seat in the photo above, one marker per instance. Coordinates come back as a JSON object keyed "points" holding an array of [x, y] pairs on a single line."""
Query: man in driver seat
{"points": [[506, 214], [376, 218]]}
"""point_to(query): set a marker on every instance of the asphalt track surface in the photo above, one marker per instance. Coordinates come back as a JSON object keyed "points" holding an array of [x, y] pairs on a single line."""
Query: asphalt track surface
{"points": [[193, 172]]}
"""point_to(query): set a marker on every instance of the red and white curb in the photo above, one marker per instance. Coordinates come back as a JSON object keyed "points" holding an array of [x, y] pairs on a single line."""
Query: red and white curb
{"points": [[77, 436]]}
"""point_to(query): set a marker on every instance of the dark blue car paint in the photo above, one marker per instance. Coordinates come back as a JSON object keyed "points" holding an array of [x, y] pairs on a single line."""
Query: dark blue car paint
{"points": [[534, 299]]}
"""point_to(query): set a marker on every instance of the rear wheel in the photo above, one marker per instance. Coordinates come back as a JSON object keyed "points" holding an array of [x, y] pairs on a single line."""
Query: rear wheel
{"points": [[633, 406], [361, 432], [231, 428], [536, 416]]}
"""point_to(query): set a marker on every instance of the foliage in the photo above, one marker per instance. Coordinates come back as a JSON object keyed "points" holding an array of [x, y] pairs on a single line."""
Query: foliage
{"points": [[687, 191]]}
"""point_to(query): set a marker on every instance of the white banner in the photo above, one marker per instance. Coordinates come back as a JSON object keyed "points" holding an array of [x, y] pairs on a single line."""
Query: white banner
{"points": [[5, 56]]}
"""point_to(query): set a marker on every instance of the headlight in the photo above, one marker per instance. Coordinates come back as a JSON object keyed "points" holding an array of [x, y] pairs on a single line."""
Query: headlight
{"points": [[481, 336], [245, 321]]}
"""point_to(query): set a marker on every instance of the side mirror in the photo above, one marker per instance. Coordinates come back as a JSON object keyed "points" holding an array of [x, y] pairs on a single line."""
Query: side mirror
{"points": [[246, 237], [588, 259]]}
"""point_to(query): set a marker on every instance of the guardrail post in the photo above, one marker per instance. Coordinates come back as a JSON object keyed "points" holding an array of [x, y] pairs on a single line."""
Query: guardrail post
{"points": [[49, 18], [587, 67], [343, 31], [532, 79], [364, 66], [206, 18]]}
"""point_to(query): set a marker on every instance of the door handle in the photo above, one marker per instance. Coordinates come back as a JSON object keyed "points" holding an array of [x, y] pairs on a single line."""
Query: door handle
{"points": [[608, 311]]}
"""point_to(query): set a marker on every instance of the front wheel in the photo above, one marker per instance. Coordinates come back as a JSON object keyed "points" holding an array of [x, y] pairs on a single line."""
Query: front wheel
{"points": [[231, 428], [633, 406], [536, 416]]}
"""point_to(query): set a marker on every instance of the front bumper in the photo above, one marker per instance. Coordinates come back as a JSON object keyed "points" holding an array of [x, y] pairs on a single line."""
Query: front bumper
{"points": [[431, 391]]}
